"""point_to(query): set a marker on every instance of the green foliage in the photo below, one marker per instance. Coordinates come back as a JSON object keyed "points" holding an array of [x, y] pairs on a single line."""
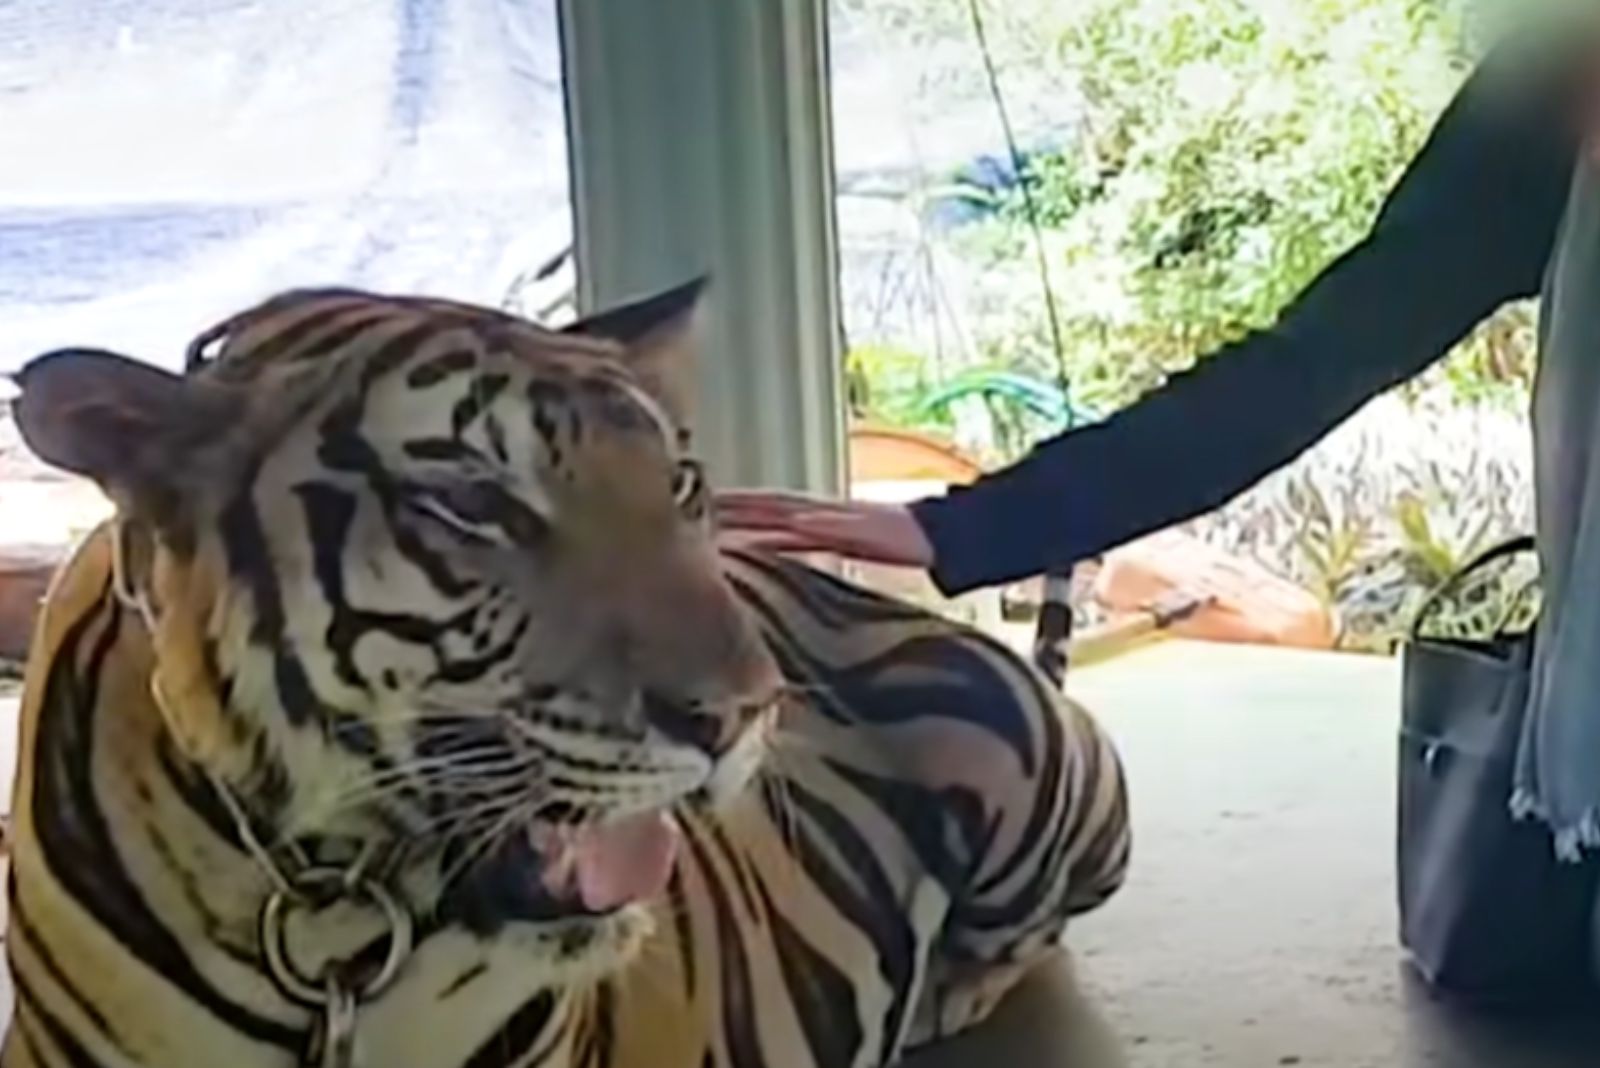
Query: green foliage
{"points": [[1227, 151], [1385, 512], [892, 386], [888, 384], [1331, 537], [1494, 365], [1231, 150]]}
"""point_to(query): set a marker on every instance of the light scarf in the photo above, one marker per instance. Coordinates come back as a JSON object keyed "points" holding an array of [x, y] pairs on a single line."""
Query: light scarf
{"points": [[1558, 768]]}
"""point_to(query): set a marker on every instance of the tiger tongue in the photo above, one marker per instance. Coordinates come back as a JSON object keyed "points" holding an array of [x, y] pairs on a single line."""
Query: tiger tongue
{"points": [[625, 861]]}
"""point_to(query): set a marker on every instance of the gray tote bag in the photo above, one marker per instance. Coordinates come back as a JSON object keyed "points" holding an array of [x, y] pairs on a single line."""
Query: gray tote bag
{"points": [[1487, 912]]}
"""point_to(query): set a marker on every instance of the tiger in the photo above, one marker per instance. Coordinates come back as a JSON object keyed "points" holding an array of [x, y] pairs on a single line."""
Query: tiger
{"points": [[410, 712]]}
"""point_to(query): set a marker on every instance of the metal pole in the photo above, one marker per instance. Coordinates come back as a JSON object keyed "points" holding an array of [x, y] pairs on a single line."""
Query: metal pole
{"points": [[700, 143]]}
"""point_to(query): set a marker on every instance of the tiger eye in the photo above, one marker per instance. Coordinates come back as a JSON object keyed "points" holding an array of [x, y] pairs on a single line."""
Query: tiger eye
{"points": [[688, 483]]}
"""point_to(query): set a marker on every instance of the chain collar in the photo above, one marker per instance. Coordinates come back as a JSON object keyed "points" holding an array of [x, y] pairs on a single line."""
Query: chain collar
{"points": [[302, 885]]}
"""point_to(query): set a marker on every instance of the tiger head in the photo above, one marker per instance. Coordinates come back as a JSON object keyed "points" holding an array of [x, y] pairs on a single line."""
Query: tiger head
{"points": [[421, 571]]}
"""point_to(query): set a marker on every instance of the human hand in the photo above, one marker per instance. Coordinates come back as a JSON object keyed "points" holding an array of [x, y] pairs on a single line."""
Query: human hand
{"points": [[857, 530]]}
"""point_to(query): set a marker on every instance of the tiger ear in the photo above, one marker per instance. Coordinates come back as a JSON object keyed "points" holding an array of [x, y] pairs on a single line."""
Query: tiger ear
{"points": [[660, 339], [140, 432]]}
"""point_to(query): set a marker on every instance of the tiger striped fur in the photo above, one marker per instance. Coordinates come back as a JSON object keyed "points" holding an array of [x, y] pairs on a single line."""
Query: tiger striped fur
{"points": [[416, 577]]}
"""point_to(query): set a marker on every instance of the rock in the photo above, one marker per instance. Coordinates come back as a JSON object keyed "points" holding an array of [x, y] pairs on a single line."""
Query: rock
{"points": [[1248, 603]]}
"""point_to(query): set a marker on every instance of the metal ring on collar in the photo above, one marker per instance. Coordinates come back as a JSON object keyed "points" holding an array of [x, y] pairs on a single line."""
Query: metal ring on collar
{"points": [[319, 887]]}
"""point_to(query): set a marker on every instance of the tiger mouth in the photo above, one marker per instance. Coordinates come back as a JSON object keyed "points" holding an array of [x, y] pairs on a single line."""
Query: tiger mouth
{"points": [[586, 871], [605, 866]]}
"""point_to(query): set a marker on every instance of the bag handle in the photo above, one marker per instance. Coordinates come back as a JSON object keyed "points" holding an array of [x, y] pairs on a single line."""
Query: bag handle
{"points": [[1523, 543]]}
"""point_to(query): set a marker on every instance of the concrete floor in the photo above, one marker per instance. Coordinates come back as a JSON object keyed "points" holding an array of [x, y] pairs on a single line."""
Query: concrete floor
{"points": [[1258, 927]]}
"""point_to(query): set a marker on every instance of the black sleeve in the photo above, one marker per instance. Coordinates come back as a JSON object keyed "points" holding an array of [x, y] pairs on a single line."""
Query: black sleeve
{"points": [[1468, 227]]}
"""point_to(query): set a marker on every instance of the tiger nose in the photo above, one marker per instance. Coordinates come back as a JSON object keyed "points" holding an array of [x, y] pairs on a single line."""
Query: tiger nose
{"points": [[713, 731]]}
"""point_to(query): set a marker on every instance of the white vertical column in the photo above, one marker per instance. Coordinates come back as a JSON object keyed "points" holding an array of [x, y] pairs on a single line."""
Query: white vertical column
{"points": [[701, 143]]}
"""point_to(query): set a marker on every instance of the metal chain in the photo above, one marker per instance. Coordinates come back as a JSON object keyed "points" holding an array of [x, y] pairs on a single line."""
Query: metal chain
{"points": [[333, 1043], [317, 888], [301, 886], [281, 882]]}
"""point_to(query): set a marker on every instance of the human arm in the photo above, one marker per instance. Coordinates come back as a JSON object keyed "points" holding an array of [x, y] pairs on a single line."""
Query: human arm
{"points": [[1468, 227]]}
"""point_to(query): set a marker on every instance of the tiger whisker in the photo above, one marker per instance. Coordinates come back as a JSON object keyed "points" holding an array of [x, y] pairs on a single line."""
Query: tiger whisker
{"points": [[469, 765], [485, 842], [467, 827], [480, 791]]}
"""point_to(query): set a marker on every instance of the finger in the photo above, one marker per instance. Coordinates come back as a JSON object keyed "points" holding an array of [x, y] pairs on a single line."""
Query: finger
{"points": [[778, 541], [765, 516], [790, 541], [768, 517], [766, 500], [758, 521]]}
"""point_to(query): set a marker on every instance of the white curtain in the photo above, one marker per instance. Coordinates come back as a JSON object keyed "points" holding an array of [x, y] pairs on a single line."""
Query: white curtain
{"points": [[163, 162]]}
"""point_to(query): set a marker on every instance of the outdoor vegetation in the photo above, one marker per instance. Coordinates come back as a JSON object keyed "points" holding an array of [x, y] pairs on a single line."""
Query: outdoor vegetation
{"points": [[1188, 166]]}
